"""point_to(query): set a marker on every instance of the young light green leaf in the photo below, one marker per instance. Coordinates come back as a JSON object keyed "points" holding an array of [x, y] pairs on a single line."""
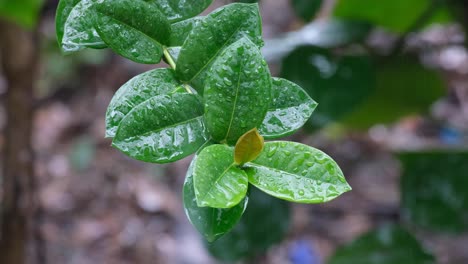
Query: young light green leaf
{"points": [[136, 91], [248, 147], [212, 223], [135, 30], [218, 182], [297, 173], [181, 30], [177, 10], [237, 92], [289, 110], [78, 30], [163, 129], [216, 31]]}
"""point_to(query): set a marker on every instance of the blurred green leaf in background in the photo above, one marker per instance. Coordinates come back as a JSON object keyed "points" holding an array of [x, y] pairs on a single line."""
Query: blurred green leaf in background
{"points": [[23, 12], [434, 189], [390, 244]]}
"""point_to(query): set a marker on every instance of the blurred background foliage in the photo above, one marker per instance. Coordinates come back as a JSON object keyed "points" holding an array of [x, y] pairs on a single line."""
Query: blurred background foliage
{"points": [[391, 80]]}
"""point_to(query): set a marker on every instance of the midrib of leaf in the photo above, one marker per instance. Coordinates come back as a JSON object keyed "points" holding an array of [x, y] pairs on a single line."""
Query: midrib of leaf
{"points": [[218, 179], [216, 54], [235, 100], [130, 26]]}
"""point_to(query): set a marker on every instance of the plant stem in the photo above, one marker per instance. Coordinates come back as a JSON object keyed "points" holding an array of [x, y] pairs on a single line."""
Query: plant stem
{"points": [[173, 65], [169, 58]]}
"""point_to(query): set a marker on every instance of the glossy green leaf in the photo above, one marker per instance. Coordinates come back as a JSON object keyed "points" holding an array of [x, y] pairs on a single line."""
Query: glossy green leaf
{"points": [[177, 10], [163, 129], [403, 87], [25, 12], [339, 84], [306, 9], [434, 189], [78, 30], [137, 91], [389, 244], [181, 30], [64, 9], [297, 173], [212, 223], [237, 92], [217, 31], [218, 182], [248, 147], [289, 109], [135, 30], [264, 224]]}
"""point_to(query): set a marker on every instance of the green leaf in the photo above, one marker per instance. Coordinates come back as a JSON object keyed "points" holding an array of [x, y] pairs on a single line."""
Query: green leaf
{"points": [[64, 9], [212, 223], [297, 173], [389, 244], [163, 129], [177, 10], [339, 84], [181, 30], [248, 147], [403, 87], [237, 92], [306, 9], [434, 189], [218, 182], [137, 91], [264, 224], [290, 108], [217, 31], [78, 30], [135, 30], [395, 15], [25, 13], [322, 33]]}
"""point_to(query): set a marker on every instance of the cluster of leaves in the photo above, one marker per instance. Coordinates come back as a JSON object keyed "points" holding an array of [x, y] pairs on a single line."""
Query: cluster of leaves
{"points": [[217, 100]]}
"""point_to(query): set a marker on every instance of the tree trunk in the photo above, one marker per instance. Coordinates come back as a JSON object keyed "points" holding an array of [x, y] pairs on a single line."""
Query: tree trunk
{"points": [[18, 55]]}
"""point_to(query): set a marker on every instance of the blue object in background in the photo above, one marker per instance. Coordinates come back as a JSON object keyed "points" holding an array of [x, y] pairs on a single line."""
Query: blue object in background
{"points": [[450, 136], [302, 252]]}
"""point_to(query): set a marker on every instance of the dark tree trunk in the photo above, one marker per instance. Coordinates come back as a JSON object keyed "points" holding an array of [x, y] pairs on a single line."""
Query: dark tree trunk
{"points": [[18, 55]]}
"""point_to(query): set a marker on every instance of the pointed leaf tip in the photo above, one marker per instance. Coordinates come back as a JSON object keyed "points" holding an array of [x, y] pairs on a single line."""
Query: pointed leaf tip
{"points": [[248, 147]]}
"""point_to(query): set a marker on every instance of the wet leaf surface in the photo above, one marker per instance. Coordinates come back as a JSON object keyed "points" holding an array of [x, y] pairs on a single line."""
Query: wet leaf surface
{"points": [[237, 78], [136, 91], [135, 30], [64, 9], [212, 223], [79, 31], [297, 173], [163, 129], [181, 30], [218, 182], [177, 10], [217, 31], [289, 110]]}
